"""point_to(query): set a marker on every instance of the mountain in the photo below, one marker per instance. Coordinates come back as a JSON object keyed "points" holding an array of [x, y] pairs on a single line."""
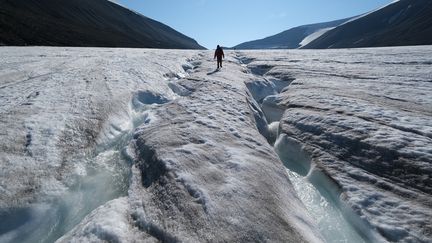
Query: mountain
{"points": [[401, 23], [84, 23], [292, 38]]}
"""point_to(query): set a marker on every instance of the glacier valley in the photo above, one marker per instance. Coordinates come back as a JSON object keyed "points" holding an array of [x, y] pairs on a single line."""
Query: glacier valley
{"points": [[145, 145]]}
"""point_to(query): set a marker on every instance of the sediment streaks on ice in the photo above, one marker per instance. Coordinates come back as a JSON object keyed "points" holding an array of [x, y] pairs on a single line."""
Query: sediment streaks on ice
{"points": [[65, 119], [205, 172], [364, 119], [157, 145]]}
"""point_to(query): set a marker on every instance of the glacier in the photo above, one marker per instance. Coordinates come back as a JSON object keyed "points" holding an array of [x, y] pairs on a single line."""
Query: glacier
{"points": [[124, 145]]}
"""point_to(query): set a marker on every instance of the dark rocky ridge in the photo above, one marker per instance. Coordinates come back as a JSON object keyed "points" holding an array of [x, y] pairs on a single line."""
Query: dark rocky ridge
{"points": [[289, 39], [98, 23], [403, 23]]}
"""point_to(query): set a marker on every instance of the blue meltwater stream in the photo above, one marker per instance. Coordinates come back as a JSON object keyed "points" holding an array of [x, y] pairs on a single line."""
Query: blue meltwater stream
{"points": [[331, 223], [321, 206]]}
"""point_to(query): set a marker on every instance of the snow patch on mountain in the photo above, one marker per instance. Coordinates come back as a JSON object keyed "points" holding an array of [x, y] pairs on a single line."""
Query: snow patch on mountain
{"points": [[314, 36]]}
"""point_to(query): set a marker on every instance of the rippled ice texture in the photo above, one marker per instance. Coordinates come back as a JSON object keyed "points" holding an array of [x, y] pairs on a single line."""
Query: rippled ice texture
{"points": [[134, 144], [363, 117]]}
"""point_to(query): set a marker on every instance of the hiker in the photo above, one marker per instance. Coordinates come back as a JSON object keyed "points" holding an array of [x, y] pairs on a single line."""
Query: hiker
{"points": [[219, 54]]}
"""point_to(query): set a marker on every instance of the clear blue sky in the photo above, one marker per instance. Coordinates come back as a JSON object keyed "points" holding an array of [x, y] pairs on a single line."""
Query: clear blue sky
{"points": [[231, 22]]}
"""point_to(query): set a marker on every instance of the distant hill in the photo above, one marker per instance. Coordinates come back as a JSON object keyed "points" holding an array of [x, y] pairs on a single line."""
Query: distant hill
{"points": [[83, 23], [292, 38], [402, 23]]}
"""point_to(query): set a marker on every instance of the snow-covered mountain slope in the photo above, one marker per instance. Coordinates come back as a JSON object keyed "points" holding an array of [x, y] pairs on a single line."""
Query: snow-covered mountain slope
{"points": [[292, 38], [83, 23], [133, 145], [402, 23]]}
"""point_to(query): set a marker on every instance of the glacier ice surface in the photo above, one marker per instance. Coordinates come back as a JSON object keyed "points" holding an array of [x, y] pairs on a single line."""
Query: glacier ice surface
{"points": [[126, 144]]}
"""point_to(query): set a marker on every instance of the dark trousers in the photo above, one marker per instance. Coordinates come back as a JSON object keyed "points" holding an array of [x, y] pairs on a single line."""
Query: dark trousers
{"points": [[219, 62]]}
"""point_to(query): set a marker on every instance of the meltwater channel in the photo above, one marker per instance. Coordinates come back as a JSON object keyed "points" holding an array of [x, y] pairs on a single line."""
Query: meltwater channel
{"points": [[321, 205]]}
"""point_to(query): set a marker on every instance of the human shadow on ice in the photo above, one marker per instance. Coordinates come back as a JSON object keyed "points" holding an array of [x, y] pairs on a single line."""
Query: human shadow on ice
{"points": [[214, 71]]}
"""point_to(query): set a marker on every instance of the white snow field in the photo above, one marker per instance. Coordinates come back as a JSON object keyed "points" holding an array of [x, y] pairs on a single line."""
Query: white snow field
{"points": [[139, 145]]}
